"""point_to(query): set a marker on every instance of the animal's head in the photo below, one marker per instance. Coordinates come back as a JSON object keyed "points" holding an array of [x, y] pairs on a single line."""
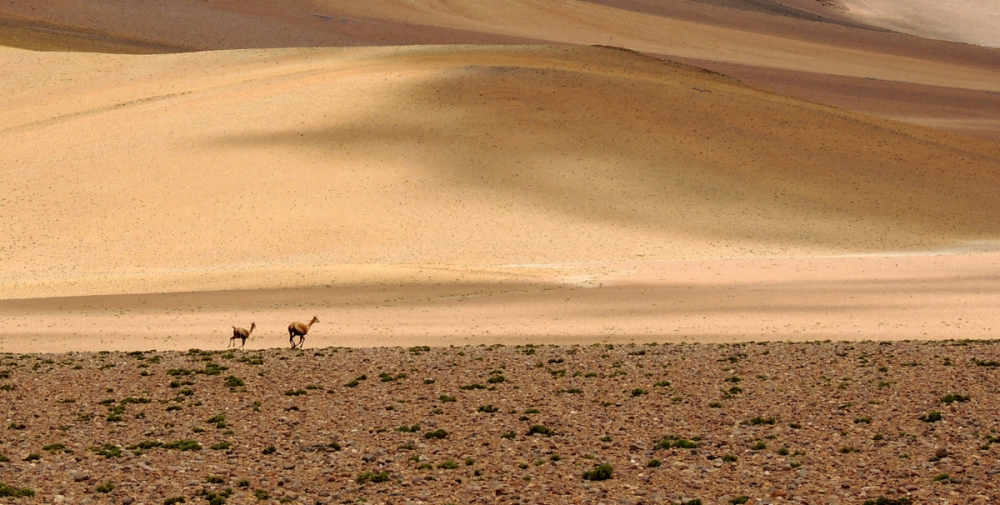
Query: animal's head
{"points": [[252, 326], [314, 320]]}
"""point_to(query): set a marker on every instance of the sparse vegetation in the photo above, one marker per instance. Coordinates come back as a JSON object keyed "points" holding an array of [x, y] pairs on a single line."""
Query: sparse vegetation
{"points": [[675, 442], [603, 471], [932, 417], [436, 434], [539, 429]]}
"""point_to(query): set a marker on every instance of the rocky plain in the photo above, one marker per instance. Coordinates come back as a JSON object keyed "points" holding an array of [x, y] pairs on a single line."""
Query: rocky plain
{"points": [[818, 422]]}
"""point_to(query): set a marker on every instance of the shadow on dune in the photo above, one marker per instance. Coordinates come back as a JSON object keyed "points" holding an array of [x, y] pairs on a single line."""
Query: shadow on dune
{"points": [[625, 139]]}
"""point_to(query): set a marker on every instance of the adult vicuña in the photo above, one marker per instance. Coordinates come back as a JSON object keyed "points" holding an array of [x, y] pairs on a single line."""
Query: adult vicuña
{"points": [[242, 334], [300, 330]]}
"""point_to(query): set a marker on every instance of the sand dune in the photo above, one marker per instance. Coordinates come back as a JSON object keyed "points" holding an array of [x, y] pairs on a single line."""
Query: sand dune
{"points": [[450, 170], [427, 166], [825, 41], [460, 156]]}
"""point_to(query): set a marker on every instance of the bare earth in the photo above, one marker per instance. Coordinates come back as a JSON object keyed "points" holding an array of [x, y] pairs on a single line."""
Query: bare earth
{"points": [[776, 423]]}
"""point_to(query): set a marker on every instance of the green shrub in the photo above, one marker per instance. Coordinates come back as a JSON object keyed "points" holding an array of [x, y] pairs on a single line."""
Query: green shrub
{"points": [[662, 384], [268, 450], [148, 444], [14, 492], [261, 494], [221, 446], [757, 421], [674, 442], [372, 477], [509, 435], [489, 409], [886, 501], [446, 399], [496, 379], [739, 500], [108, 451], [729, 458], [600, 472], [941, 476], [233, 381], [470, 387], [173, 500], [639, 392], [539, 429], [949, 399], [295, 392], [932, 417], [448, 465], [653, 463], [439, 434], [183, 445], [759, 446]]}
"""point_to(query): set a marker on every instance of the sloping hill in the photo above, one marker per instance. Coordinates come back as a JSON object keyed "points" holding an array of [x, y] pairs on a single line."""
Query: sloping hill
{"points": [[176, 166]]}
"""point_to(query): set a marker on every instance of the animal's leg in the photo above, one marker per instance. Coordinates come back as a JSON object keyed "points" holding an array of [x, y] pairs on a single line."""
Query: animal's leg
{"points": [[302, 341]]}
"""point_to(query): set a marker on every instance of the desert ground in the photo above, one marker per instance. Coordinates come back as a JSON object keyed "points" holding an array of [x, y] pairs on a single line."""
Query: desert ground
{"points": [[793, 198], [904, 422]]}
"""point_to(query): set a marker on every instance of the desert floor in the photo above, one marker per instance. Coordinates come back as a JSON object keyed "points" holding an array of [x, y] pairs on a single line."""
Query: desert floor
{"points": [[758, 422]]}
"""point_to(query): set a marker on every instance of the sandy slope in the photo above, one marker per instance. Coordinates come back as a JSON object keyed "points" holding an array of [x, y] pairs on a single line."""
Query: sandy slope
{"points": [[969, 21], [440, 170], [799, 47], [488, 188]]}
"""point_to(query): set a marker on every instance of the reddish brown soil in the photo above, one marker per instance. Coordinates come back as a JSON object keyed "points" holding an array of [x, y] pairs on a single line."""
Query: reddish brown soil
{"points": [[778, 423]]}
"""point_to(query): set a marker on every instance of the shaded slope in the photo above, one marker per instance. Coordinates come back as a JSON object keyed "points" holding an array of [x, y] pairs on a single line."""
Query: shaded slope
{"points": [[184, 165], [793, 38]]}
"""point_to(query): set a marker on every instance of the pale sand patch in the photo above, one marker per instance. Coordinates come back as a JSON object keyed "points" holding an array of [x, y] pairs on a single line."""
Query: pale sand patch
{"points": [[950, 296], [970, 21]]}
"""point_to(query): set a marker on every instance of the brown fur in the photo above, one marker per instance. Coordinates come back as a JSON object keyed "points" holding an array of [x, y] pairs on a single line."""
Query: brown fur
{"points": [[299, 330], [242, 334]]}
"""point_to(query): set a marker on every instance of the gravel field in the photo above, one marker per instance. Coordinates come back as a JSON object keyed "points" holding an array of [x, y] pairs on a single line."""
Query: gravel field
{"points": [[824, 422]]}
